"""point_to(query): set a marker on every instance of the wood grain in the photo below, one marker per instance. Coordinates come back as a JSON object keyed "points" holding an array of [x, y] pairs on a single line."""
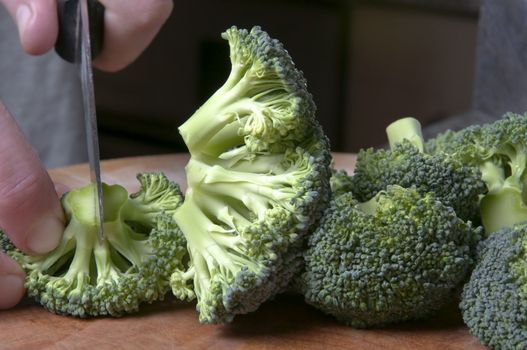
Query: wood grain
{"points": [[283, 323]]}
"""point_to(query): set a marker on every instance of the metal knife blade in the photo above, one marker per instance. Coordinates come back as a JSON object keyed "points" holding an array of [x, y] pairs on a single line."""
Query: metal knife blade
{"points": [[74, 45]]}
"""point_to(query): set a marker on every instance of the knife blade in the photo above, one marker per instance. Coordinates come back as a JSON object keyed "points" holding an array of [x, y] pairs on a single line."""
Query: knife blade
{"points": [[80, 39]]}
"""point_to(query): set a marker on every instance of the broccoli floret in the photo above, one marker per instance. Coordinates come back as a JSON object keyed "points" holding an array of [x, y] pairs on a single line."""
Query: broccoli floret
{"points": [[258, 178], [494, 301], [340, 182], [86, 276], [406, 164], [447, 142], [499, 150], [402, 255]]}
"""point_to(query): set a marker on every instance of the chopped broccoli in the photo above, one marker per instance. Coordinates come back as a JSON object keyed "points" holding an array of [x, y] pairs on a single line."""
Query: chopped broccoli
{"points": [[401, 255], [494, 301], [85, 276], [258, 178], [499, 150], [405, 164]]}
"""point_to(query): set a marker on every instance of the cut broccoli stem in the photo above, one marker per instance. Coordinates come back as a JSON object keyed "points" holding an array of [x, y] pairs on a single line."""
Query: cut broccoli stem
{"points": [[257, 192], [405, 129], [502, 209], [236, 99], [106, 270], [212, 251], [226, 105], [227, 138]]}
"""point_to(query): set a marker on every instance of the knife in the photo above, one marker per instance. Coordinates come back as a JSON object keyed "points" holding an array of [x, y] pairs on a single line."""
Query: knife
{"points": [[81, 28]]}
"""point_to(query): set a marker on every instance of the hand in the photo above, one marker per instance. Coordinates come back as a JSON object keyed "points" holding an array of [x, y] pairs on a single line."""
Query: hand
{"points": [[30, 211], [130, 26]]}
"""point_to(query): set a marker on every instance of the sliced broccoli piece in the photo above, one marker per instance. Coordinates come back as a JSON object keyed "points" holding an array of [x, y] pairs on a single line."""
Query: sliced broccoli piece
{"points": [[494, 301], [402, 255], [258, 178], [85, 276], [453, 182]]}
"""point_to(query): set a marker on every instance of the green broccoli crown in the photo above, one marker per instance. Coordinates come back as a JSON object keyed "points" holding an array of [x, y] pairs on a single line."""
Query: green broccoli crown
{"points": [[494, 301], [448, 142], [405, 164], [258, 178], [499, 150], [341, 182], [401, 255], [85, 276]]}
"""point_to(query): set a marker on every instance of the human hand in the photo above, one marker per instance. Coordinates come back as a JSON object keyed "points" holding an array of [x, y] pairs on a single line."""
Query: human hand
{"points": [[30, 211], [130, 26]]}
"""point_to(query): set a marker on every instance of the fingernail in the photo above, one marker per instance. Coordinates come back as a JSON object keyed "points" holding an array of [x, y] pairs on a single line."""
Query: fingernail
{"points": [[44, 235], [11, 290], [23, 16]]}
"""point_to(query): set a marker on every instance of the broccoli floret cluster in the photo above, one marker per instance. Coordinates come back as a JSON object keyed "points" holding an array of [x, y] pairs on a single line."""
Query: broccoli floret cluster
{"points": [[399, 256], [406, 164], [499, 151], [86, 276], [494, 301], [258, 179]]}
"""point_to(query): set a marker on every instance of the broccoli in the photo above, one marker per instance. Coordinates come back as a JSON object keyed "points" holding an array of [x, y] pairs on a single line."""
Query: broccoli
{"points": [[494, 301], [401, 255], [258, 178], [85, 276], [340, 182], [406, 164], [499, 151]]}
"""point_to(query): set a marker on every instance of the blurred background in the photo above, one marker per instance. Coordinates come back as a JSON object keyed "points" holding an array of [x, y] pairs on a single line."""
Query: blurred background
{"points": [[366, 62]]}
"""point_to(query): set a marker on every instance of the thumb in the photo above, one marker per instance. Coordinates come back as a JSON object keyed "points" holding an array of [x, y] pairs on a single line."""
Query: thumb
{"points": [[37, 23], [11, 282], [30, 211]]}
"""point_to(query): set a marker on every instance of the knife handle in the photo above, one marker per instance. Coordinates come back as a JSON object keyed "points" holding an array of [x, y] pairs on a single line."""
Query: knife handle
{"points": [[66, 45]]}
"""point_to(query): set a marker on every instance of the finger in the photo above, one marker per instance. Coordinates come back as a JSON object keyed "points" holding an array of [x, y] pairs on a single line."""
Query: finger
{"points": [[30, 211], [130, 26], [61, 189], [12, 280], [37, 23]]}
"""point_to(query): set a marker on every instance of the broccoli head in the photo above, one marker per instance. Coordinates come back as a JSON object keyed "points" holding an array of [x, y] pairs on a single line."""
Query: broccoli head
{"points": [[406, 164], [499, 151], [258, 178], [401, 255], [494, 301], [86, 276]]}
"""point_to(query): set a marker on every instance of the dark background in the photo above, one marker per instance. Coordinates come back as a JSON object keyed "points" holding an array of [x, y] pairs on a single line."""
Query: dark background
{"points": [[366, 62]]}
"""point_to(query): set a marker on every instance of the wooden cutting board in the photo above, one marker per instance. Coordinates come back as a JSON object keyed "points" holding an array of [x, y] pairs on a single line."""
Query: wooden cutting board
{"points": [[283, 323]]}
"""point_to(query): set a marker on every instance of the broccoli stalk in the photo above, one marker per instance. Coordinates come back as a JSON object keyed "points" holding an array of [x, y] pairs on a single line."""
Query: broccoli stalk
{"points": [[405, 129], [86, 276], [258, 178]]}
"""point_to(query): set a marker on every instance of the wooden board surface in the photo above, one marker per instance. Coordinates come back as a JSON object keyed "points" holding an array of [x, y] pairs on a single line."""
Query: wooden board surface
{"points": [[283, 323]]}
